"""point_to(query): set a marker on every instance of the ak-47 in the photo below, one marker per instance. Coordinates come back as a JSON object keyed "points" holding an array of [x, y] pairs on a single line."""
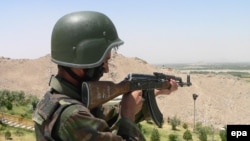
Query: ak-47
{"points": [[97, 93]]}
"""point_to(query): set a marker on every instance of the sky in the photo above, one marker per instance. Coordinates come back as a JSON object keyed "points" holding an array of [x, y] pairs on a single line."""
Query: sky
{"points": [[157, 31]]}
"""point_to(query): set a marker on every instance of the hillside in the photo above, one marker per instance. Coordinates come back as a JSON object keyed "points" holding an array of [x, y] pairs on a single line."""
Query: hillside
{"points": [[223, 99]]}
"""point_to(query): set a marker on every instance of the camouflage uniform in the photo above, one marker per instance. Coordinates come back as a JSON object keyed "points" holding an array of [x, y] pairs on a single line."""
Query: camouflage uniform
{"points": [[75, 122]]}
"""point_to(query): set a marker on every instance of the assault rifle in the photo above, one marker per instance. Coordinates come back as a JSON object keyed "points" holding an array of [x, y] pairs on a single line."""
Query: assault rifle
{"points": [[97, 93]]}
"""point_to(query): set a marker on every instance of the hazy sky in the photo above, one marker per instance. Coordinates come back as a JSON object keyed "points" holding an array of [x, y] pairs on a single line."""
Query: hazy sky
{"points": [[163, 31]]}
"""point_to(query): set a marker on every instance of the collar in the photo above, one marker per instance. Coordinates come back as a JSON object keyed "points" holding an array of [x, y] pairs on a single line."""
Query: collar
{"points": [[63, 87]]}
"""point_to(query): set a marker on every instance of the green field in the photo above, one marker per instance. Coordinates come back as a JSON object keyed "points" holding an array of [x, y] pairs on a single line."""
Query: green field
{"points": [[241, 70]]}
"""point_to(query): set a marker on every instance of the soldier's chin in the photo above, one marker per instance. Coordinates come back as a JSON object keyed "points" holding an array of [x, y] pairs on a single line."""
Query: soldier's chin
{"points": [[100, 76], [97, 77]]}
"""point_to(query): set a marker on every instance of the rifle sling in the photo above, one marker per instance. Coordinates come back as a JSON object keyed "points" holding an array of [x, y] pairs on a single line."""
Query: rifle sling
{"points": [[155, 113]]}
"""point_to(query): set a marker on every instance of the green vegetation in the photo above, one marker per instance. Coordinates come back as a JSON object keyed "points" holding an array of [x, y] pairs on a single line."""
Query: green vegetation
{"points": [[7, 135], [17, 103], [208, 66], [155, 136], [242, 75], [223, 134], [20, 106], [174, 122], [173, 137], [241, 70], [16, 134], [181, 133], [187, 135]]}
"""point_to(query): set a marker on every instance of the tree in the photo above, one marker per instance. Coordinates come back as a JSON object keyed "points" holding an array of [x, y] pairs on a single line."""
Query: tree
{"points": [[198, 126], [175, 122], [187, 135], [34, 100], [20, 97], [19, 133], [185, 125], [223, 134], [9, 105], [172, 137], [202, 134], [7, 135], [155, 136]]}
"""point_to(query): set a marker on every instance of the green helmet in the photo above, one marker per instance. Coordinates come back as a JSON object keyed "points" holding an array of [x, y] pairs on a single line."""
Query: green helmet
{"points": [[83, 39]]}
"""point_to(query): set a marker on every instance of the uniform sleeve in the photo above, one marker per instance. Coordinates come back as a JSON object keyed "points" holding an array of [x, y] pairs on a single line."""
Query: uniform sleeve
{"points": [[77, 123]]}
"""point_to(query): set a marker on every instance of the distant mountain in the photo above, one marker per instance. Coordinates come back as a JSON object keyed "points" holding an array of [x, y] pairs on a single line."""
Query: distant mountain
{"points": [[222, 99]]}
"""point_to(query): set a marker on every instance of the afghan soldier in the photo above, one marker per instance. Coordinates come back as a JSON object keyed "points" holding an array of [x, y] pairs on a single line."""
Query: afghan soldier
{"points": [[81, 47]]}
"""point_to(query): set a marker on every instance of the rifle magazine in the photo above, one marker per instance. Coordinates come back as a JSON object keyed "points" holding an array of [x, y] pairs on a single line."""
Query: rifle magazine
{"points": [[154, 110]]}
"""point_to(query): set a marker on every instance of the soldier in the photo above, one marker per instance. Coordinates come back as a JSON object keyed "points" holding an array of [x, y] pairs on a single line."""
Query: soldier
{"points": [[81, 46]]}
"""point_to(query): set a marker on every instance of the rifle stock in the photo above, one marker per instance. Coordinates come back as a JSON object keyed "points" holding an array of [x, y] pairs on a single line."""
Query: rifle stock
{"points": [[100, 92]]}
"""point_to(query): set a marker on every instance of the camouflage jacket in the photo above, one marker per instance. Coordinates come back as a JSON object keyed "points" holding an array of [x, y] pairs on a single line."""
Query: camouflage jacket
{"points": [[64, 117]]}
